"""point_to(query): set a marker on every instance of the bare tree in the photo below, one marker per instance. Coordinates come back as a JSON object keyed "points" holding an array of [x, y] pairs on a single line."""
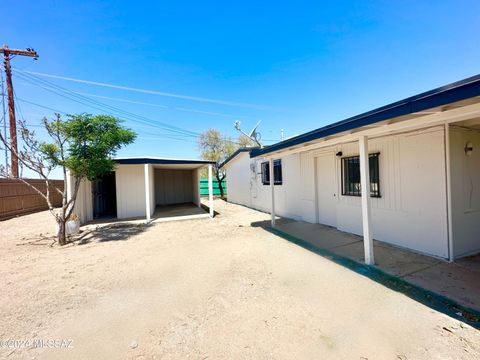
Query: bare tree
{"points": [[216, 147]]}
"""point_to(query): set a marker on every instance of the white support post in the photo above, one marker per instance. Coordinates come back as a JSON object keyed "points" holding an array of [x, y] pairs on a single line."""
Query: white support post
{"points": [[70, 185], [366, 206], [448, 173], [272, 191], [147, 193], [197, 184], [210, 190]]}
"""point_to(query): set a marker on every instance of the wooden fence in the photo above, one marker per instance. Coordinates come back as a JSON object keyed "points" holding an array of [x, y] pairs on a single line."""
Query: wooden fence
{"points": [[17, 198]]}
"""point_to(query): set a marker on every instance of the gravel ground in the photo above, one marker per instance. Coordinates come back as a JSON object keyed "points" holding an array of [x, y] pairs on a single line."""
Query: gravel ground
{"points": [[205, 289]]}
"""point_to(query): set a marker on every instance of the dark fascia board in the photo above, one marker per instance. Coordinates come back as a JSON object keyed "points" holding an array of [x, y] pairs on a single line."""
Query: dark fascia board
{"points": [[443, 95], [137, 161], [238, 151]]}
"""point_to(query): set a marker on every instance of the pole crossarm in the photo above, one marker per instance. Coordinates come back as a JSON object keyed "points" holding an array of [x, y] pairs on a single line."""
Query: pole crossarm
{"points": [[5, 50]]}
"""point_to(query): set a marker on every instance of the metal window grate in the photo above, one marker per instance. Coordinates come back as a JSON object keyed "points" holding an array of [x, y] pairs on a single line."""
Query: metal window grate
{"points": [[277, 173], [351, 176]]}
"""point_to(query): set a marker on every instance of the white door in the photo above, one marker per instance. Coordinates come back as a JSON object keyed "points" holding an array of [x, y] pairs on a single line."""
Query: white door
{"points": [[326, 190]]}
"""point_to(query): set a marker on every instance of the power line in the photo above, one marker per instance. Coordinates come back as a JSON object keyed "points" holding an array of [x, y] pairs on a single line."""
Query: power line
{"points": [[161, 136], [63, 92], [179, 133], [154, 92], [107, 97], [183, 109], [98, 105]]}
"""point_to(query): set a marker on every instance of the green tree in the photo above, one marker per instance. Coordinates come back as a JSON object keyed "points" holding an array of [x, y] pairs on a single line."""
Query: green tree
{"points": [[82, 145]]}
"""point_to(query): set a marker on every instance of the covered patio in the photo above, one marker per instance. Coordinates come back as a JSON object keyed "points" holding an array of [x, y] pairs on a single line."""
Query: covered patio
{"points": [[148, 188], [457, 281], [172, 188]]}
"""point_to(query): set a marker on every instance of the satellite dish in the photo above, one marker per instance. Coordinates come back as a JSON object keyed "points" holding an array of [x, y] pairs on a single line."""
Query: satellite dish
{"points": [[253, 135]]}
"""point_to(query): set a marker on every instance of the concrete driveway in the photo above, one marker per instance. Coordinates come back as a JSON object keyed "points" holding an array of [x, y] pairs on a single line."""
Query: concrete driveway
{"points": [[206, 289]]}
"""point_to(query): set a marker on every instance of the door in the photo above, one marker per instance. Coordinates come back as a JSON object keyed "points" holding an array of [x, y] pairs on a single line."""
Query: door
{"points": [[105, 196], [326, 190]]}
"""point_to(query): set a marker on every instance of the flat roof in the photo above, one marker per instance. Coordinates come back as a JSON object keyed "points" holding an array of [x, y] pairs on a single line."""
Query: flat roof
{"points": [[447, 94], [159, 160]]}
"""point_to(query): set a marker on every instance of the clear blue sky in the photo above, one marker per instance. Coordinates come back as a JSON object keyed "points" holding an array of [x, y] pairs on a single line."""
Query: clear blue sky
{"points": [[294, 65]]}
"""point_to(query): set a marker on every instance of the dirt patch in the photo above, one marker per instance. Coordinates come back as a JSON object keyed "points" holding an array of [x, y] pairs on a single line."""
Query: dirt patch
{"points": [[206, 289]]}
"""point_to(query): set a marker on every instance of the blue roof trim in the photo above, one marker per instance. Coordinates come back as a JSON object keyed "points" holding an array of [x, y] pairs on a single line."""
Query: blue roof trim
{"points": [[443, 95], [238, 151], [136, 161]]}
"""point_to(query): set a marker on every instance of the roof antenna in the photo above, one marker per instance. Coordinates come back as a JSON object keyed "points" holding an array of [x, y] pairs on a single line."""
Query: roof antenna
{"points": [[253, 135]]}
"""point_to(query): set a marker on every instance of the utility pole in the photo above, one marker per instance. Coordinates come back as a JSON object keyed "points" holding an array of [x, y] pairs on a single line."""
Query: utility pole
{"points": [[4, 116], [7, 53]]}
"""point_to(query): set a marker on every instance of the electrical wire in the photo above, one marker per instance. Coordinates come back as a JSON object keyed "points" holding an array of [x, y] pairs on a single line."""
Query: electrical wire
{"points": [[177, 132], [63, 92], [179, 96]]}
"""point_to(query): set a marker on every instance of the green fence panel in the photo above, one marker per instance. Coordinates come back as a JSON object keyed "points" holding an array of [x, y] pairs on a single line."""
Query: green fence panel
{"points": [[216, 190]]}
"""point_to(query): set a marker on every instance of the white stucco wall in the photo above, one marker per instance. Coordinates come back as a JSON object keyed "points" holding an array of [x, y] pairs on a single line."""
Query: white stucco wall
{"points": [[83, 205], [238, 179], [411, 212], [465, 179], [130, 183]]}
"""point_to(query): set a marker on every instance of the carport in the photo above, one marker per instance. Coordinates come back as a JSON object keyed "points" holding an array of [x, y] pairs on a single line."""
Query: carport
{"points": [[171, 186], [157, 189]]}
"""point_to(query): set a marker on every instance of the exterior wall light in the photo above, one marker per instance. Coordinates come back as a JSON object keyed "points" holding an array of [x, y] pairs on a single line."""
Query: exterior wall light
{"points": [[468, 148]]}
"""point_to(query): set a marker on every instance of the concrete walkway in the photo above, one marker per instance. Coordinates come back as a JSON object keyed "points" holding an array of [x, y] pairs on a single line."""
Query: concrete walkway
{"points": [[459, 281]]}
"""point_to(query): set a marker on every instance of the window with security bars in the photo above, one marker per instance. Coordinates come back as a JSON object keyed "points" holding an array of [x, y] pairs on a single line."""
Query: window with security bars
{"points": [[277, 172], [351, 175]]}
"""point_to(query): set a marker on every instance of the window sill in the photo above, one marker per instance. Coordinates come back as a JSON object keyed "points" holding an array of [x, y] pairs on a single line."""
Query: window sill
{"points": [[360, 195]]}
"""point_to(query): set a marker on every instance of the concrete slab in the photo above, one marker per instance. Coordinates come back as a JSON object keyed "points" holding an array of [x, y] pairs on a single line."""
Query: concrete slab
{"points": [[320, 235], [177, 211], [451, 280], [458, 281], [470, 262]]}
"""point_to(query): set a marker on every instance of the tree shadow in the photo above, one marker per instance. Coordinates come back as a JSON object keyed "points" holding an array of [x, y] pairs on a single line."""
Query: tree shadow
{"points": [[111, 232]]}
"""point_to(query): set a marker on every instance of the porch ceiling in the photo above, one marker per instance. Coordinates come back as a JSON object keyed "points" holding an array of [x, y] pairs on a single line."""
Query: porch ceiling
{"points": [[178, 166], [470, 123]]}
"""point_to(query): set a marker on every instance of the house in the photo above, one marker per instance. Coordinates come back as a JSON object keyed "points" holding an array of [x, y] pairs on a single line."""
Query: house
{"points": [[139, 186], [420, 157]]}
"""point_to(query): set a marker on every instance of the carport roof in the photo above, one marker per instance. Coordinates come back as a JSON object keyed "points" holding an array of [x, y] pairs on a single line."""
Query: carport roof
{"points": [[160, 161]]}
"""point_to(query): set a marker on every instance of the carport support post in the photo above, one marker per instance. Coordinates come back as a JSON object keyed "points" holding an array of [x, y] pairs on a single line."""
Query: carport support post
{"points": [[147, 192], [210, 190], [366, 205], [272, 191]]}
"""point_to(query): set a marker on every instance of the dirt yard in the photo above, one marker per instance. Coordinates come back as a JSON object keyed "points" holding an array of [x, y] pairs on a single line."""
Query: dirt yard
{"points": [[204, 289]]}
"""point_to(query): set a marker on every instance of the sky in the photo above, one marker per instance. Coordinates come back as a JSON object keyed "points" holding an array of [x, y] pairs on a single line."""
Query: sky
{"points": [[195, 65]]}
